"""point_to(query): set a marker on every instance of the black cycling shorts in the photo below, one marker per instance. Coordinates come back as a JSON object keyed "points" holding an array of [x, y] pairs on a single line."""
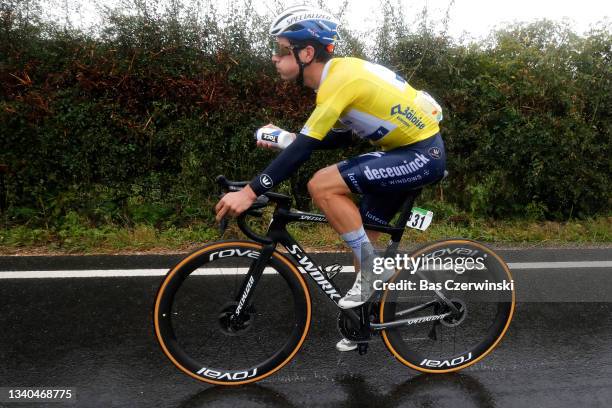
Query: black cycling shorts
{"points": [[386, 178]]}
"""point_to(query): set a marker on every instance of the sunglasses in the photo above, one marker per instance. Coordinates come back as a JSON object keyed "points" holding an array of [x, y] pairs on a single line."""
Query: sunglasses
{"points": [[283, 50]]}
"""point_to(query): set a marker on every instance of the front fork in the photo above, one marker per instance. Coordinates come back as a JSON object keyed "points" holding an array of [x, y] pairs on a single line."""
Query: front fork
{"points": [[245, 293]]}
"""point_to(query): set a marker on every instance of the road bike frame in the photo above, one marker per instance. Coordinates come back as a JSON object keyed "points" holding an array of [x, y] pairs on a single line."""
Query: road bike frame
{"points": [[277, 234]]}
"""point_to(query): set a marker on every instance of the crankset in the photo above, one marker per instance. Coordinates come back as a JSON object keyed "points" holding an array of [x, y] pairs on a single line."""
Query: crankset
{"points": [[359, 332], [354, 332], [348, 329]]}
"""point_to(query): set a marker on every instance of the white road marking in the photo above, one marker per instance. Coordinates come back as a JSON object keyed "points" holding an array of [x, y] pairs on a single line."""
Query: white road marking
{"points": [[114, 273], [560, 265]]}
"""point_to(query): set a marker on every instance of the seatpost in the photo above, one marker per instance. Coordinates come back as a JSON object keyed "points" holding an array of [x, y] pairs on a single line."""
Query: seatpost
{"points": [[396, 237], [408, 204]]}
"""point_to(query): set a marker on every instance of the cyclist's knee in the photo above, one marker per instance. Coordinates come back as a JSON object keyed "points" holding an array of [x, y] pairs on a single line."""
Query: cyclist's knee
{"points": [[314, 186], [317, 189], [327, 182]]}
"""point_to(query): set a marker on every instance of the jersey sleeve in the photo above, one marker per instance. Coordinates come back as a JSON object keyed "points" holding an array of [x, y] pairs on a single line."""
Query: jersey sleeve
{"points": [[285, 164], [334, 97]]}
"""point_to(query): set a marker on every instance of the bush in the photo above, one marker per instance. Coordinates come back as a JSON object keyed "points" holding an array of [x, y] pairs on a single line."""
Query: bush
{"points": [[133, 124]]}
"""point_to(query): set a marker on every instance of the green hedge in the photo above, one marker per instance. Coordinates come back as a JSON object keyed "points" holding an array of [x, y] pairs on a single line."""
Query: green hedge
{"points": [[132, 125]]}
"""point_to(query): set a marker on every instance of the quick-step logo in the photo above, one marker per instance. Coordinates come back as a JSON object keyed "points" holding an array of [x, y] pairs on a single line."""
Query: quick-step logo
{"points": [[397, 171]]}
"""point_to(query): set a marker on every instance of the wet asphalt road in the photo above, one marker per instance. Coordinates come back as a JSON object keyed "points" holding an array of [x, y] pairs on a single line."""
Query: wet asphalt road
{"points": [[95, 335]]}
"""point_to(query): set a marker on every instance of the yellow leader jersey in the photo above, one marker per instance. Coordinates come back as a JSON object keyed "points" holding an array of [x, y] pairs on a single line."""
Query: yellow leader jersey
{"points": [[373, 101]]}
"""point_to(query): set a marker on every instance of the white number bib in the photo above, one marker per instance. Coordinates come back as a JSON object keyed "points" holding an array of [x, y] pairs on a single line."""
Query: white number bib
{"points": [[420, 219]]}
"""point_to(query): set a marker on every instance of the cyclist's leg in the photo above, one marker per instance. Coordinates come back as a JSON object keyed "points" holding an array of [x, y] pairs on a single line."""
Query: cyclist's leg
{"points": [[374, 209], [387, 177], [379, 209], [331, 195]]}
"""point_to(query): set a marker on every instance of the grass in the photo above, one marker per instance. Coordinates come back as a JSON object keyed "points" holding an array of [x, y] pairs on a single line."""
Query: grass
{"points": [[79, 238], [141, 238]]}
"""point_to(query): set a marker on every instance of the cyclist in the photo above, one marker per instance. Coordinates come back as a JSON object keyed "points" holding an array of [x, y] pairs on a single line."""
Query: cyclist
{"points": [[354, 97]]}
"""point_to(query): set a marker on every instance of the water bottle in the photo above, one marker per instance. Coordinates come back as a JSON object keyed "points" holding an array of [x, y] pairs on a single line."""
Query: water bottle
{"points": [[278, 137]]}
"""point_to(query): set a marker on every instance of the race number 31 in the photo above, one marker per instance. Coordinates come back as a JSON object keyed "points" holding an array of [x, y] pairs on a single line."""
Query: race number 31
{"points": [[420, 219]]}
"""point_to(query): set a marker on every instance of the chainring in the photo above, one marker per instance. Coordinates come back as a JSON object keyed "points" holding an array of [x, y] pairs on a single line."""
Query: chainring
{"points": [[353, 332]]}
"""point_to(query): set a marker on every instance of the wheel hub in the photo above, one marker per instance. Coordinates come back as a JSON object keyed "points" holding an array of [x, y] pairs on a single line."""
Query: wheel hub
{"points": [[454, 321], [232, 326]]}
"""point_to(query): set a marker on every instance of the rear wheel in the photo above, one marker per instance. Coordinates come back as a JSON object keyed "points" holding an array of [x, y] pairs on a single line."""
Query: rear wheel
{"points": [[197, 298], [464, 280]]}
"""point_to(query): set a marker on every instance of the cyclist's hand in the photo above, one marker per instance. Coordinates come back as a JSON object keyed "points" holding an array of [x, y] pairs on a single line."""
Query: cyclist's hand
{"points": [[272, 126], [234, 204], [266, 145]]}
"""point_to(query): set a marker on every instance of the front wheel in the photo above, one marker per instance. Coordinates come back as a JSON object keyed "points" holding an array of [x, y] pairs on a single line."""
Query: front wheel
{"points": [[462, 280], [197, 298]]}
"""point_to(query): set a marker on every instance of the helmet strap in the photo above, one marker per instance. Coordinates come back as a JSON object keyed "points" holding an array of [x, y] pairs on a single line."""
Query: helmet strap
{"points": [[301, 64]]}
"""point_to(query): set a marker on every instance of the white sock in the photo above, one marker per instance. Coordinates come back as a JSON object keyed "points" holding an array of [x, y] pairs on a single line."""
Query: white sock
{"points": [[359, 242]]}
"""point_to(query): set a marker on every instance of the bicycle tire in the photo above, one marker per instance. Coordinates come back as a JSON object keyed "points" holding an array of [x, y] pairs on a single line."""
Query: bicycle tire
{"points": [[404, 352], [280, 271]]}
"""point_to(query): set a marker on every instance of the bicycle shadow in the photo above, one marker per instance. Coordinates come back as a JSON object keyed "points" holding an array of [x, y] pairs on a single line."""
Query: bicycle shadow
{"points": [[424, 390], [250, 395]]}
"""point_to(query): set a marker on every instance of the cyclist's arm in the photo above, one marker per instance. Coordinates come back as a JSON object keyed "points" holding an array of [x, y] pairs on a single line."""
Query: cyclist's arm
{"points": [[335, 139], [285, 164], [330, 104]]}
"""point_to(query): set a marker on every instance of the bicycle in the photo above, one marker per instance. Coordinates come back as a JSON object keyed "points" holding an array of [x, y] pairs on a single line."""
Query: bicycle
{"points": [[227, 333]]}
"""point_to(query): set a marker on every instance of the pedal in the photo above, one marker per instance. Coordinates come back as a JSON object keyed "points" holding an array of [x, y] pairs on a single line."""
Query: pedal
{"points": [[332, 270], [362, 348]]}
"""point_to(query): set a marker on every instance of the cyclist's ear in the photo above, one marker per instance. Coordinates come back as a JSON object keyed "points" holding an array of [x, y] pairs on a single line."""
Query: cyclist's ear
{"points": [[308, 55]]}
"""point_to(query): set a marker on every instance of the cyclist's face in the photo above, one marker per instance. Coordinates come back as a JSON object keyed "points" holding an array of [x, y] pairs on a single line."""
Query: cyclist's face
{"points": [[284, 60]]}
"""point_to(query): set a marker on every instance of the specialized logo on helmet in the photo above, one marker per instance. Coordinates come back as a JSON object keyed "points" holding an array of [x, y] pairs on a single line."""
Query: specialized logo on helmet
{"points": [[266, 181], [306, 16]]}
